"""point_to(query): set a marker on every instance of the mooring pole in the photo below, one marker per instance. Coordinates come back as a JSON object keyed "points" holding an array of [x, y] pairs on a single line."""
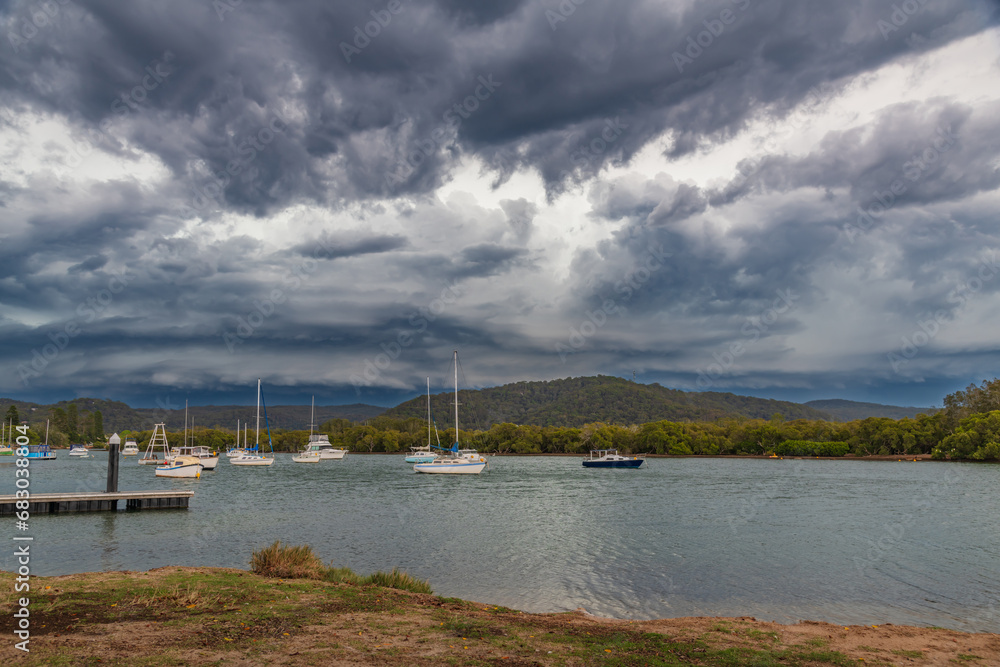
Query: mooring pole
{"points": [[113, 463]]}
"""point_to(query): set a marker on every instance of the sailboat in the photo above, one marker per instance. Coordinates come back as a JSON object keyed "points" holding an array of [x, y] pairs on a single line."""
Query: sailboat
{"points": [[209, 459], [248, 458], [309, 455], [43, 451], [423, 454], [5, 448], [236, 450], [454, 461]]}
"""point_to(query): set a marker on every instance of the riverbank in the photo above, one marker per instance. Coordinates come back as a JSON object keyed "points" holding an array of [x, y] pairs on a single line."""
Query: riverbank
{"points": [[199, 616]]}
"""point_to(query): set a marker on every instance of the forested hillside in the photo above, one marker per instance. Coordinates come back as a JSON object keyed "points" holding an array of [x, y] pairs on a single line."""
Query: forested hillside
{"points": [[845, 411], [582, 400]]}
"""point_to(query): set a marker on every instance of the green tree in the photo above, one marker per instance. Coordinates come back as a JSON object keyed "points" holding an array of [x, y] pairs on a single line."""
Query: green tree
{"points": [[72, 423], [12, 416], [98, 432]]}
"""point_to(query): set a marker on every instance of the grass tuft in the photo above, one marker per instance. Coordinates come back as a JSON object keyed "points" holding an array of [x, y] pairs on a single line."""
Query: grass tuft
{"points": [[287, 562]]}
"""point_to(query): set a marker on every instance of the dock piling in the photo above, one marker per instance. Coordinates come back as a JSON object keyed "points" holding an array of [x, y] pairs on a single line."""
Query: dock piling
{"points": [[113, 442]]}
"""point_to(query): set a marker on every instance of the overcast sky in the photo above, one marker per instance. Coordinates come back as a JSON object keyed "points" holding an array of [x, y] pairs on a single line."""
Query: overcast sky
{"points": [[790, 199]]}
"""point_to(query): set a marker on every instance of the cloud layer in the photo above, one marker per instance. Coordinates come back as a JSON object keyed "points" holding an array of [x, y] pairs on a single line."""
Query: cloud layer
{"points": [[788, 199]]}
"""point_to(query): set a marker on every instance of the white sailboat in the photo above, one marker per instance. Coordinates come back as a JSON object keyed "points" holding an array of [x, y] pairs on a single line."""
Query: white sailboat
{"points": [[248, 458], [455, 461], [423, 454], [309, 455], [209, 459], [236, 450]]}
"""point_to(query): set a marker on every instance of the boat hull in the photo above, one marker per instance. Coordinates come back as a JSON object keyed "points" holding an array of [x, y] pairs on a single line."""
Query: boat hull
{"points": [[419, 459], [187, 470], [450, 468], [251, 461], [632, 463], [334, 454], [305, 459]]}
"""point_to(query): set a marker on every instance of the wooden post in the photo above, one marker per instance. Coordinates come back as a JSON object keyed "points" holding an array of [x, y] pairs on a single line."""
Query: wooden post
{"points": [[113, 463]]}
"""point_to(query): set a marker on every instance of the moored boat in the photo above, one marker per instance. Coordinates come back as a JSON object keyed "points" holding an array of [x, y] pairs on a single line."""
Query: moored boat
{"points": [[610, 458], [423, 454], [454, 461], [78, 450], [180, 466], [131, 447], [251, 457]]}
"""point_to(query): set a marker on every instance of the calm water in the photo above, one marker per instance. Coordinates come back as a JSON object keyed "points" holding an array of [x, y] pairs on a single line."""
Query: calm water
{"points": [[842, 541]]}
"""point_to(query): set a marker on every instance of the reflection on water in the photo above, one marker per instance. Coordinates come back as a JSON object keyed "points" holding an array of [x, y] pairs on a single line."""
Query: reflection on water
{"points": [[844, 541]]}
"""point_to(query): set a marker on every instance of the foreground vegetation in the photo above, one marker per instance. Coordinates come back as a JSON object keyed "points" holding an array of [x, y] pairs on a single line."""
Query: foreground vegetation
{"points": [[196, 616]]}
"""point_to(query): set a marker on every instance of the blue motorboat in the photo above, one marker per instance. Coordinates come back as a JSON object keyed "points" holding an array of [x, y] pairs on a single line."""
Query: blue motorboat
{"points": [[610, 458], [42, 452]]}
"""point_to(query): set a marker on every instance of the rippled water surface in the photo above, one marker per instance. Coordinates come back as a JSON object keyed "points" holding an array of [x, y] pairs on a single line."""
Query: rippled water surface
{"points": [[842, 541]]}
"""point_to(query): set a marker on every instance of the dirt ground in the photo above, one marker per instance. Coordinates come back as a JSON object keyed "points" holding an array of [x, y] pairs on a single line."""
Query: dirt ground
{"points": [[202, 616]]}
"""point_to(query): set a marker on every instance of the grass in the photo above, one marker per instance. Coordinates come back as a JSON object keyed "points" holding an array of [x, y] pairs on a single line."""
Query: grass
{"points": [[283, 561]]}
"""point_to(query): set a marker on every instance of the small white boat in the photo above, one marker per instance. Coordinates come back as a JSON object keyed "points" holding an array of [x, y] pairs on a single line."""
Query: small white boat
{"points": [[251, 457], [130, 447], [209, 460], [424, 454], [454, 461], [78, 450], [306, 457], [180, 466]]}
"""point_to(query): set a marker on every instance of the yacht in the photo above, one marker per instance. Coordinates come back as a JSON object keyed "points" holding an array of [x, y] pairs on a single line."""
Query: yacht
{"points": [[251, 457], [610, 458], [180, 466], [131, 447], [424, 454], [320, 443], [454, 461], [78, 450]]}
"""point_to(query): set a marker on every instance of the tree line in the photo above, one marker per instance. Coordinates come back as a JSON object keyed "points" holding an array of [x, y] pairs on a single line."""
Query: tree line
{"points": [[968, 428]]}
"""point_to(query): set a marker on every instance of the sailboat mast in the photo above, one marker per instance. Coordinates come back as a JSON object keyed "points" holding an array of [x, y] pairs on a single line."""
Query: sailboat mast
{"points": [[185, 422], [456, 397], [257, 439], [312, 417], [428, 413], [46, 431]]}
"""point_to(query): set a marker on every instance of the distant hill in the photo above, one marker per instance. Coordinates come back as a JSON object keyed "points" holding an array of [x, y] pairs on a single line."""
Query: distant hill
{"points": [[119, 416], [845, 411], [578, 401]]}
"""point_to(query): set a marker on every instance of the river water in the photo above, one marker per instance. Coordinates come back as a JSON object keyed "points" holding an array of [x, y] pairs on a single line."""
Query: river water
{"points": [[840, 541]]}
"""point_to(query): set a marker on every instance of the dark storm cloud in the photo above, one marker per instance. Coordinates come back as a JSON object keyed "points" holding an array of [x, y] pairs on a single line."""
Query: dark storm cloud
{"points": [[330, 247], [349, 125]]}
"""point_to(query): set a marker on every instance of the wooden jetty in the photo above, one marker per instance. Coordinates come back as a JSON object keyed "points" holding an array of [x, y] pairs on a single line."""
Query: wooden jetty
{"points": [[100, 501]]}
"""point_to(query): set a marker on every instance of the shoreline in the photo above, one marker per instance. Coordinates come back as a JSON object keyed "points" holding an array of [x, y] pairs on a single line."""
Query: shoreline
{"points": [[196, 615]]}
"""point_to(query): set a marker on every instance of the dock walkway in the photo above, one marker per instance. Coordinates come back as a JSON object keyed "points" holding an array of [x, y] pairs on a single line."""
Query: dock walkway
{"points": [[55, 503]]}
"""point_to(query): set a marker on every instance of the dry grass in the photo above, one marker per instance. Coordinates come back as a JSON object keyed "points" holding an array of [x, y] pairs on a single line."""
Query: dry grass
{"points": [[283, 561]]}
